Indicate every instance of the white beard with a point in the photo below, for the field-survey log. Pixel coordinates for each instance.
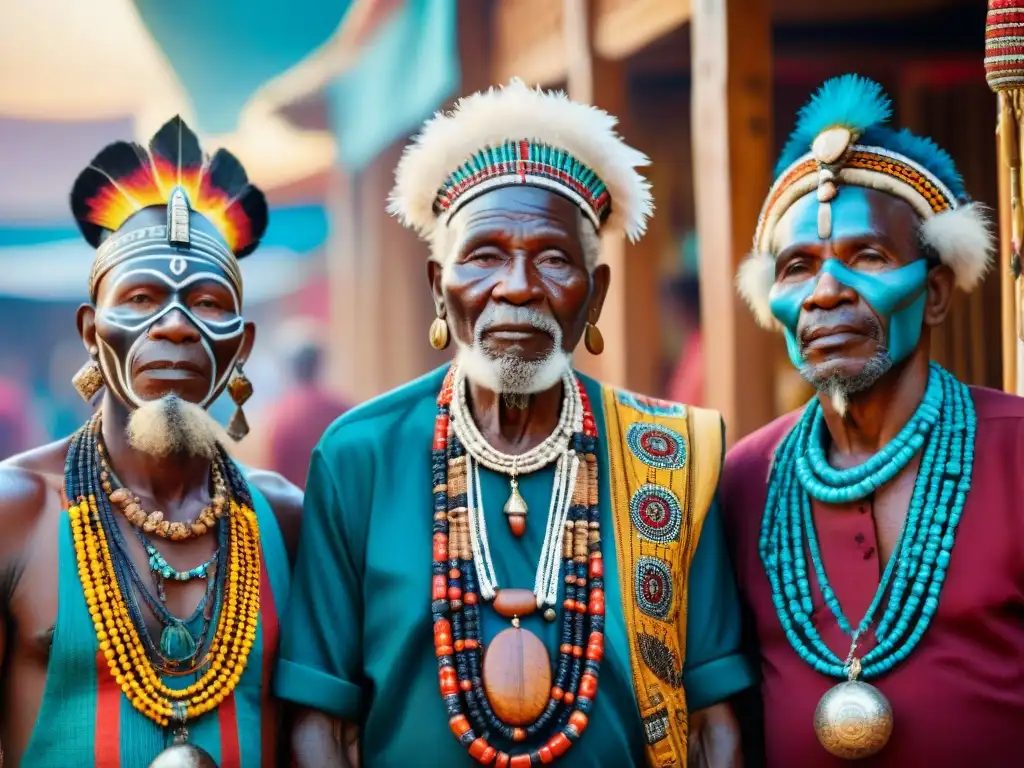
(511, 374)
(171, 426)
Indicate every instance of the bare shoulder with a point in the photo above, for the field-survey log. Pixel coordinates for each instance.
(30, 482)
(285, 499)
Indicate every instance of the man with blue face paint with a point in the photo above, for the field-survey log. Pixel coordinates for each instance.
(876, 532)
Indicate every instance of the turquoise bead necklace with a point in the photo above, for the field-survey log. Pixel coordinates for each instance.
(944, 426)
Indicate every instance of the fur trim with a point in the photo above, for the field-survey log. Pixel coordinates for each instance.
(754, 282)
(519, 112)
(963, 239)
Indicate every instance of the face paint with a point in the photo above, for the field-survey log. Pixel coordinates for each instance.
(898, 296)
(168, 282)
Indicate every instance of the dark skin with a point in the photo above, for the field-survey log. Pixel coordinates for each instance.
(886, 239)
(169, 360)
(517, 246)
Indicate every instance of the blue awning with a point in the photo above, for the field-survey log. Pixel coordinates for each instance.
(224, 50)
(51, 262)
(405, 72)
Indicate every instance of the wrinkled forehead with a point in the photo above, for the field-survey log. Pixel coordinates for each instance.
(171, 271)
(513, 209)
(857, 213)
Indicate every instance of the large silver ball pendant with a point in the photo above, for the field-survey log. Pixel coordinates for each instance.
(853, 720)
(183, 756)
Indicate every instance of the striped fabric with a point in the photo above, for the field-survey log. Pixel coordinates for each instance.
(99, 727)
(1004, 44)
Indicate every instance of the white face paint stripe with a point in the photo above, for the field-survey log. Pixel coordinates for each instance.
(216, 330)
(124, 376)
(177, 285)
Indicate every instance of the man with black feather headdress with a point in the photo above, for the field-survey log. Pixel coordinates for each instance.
(141, 566)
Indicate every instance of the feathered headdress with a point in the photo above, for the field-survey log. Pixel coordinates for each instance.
(173, 172)
(519, 135)
(841, 137)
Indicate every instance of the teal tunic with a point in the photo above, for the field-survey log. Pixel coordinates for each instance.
(86, 722)
(358, 638)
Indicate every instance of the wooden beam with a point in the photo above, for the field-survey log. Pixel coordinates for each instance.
(623, 27)
(629, 320)
(529, 35)
(731, 119)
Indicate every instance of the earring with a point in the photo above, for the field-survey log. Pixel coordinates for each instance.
(240, 390)
(593, 339)
(439, 333)
(88, 381)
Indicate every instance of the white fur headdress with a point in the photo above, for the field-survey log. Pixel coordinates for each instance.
(843, 125)
(519, 135)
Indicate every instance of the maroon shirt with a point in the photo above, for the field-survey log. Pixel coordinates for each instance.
(958, 699)
(295, 425)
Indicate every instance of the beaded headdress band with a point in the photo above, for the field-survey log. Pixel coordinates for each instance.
(516, 135)
(125, 178)
(844, 127)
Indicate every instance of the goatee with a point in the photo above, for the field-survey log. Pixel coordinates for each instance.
(171, 426)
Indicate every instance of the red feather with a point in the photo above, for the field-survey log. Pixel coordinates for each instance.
(124, 178)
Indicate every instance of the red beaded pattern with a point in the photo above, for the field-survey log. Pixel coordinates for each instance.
(455, 606)
(1004, 44)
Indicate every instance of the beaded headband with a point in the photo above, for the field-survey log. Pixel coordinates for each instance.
(530, 163)
(518, 135)
(844, 127)
(154, 241)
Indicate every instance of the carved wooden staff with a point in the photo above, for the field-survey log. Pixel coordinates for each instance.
(1004, 70)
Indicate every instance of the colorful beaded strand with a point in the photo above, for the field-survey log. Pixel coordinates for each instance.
(455, 609)
(945, 425)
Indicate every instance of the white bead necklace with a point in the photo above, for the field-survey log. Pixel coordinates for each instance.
(556, 448)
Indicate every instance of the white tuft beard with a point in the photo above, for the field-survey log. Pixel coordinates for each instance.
(511, 374)
(171, 426)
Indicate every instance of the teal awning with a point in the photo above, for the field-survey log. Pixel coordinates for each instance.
(51, 262)
(406, 71)
(224, 50)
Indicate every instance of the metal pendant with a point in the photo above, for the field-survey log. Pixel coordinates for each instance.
(853, 720)
(184, 756)
(516, 509)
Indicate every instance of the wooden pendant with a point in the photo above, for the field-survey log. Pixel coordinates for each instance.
(514, 603)
(517, 676)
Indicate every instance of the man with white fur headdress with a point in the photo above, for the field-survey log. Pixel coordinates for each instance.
(505, 529)
(876, 532)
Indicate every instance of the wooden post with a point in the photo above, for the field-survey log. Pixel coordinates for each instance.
(731, 119)
(1007, 285)
(629, 320)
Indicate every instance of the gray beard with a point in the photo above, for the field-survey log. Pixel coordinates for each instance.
(839, 388)
(171, 426)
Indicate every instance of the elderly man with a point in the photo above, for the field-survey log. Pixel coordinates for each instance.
(876, 533)
(435, 614)
(140, 566)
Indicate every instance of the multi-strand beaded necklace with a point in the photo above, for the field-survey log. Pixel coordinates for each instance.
(455, 605)
(944, 425)
(111, 582)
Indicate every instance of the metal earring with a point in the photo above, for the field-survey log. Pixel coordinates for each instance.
(240, 390)
(593, 339)
(439, 336)
(88, 381)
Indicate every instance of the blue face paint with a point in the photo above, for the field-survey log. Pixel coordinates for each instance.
(898, 296)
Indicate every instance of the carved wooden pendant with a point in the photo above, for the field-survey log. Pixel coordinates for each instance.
(512, 603)
(517, 676)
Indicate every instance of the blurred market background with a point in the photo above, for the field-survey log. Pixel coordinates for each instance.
(317, 99)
